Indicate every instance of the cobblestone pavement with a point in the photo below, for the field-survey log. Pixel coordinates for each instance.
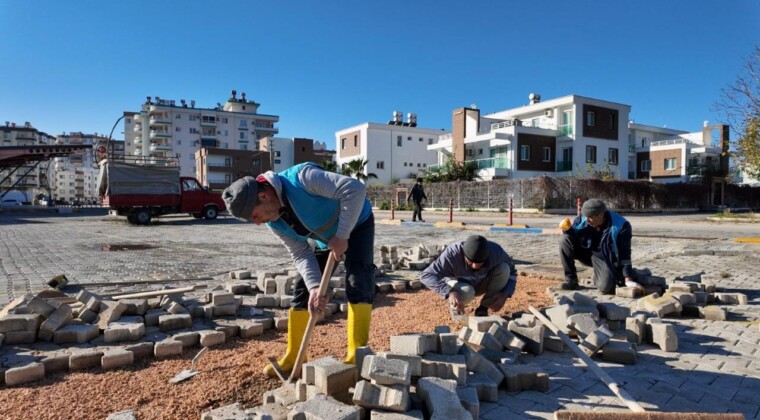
(716, 368)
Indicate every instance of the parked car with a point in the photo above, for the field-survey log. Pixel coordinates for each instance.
(10, 202)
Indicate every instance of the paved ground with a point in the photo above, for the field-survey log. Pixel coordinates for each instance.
(716, 369)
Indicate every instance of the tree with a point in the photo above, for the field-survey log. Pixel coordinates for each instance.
(329, 165)
(355, 168)
(740, 106)
(451, 171)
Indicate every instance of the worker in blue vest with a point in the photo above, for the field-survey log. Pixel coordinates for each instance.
(306, 204)
(601, 239)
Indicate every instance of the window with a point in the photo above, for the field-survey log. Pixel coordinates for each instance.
(612, 120)
(193, 130)
(356, 141)
(242, 135)
(480, 151)
(670, 164)
(419, 165)
(646, 165)
(277, 161)
(177, 129)
(226, 133)
(178, 116)
(525, 152)
(399, 141)
(380, 164)
(430, 141)
(228, 162)
(409, 138)
(342, 143)
(424, 165)
(590, 118)
(129, 120)
(226, 145)
(590, 154)
(276, 153)
(193, 117)
(421, 139)
(612, 158)
(547, 154)
(404, 163)
(243, 123)
(179, 142)
(224, 120)
(243, 147)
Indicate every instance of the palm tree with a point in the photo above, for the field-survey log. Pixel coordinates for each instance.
(355, 168)
(329, 165)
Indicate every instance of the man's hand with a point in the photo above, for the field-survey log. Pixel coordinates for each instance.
(498, 302)
(316, 303)
(338, 246)
(456, 302)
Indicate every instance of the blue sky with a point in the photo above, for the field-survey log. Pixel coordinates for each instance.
(324, 66)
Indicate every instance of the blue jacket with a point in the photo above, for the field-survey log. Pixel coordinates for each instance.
(615, 245)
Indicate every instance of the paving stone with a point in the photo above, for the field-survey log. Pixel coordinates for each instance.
(391, 398)
(487, 389)
(499, 357)
(76, 334)
(384, 371)
(19, 337)
(209, 338)
(229, 309)
(174, 321)
(532, 336)
(677, 287)
(122, 415)
(188, 339)
(85, 359)
(731, 298)
(322, 407)
(662, 306)
(559, 316)
(135, 306)
(651, 281)
(20, 322)
(581, 299)
(230, 328)
(445, 367)
(447, 343)
(619, 352)
(409, 415)
(227, 412)
(40, 306)
(124, 331)
(266, 301)
(686, 298)
(441, 399)
(110, 311)
(508, 340)
(628, 292)
(284, 395)
(484, 323)
(116, 358)
(240, 275)
(31, 372)
(713, 313)
(468, 397)
(176, 308)
(55, 362)
(635, 329)
(613, 311)
(281, 324)
(580, 309)
(141, 350)
(94, 304)
(415, 362)
(475, 362)
(153, 315)
(334, 378)
(167, 348)
(480, 339)
(664, 335)
(414, 344)
(583, 324)
(221, 297)
(554, 343)
(250, 329)
(307, 369)
(596, 340)
(87, 315)
(524, 377)
(60, 317)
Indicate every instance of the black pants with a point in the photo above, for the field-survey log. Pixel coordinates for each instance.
(360, 267)
(417, 211)
(571, 250)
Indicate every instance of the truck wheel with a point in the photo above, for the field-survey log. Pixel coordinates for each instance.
(210, 212)
(142, 217)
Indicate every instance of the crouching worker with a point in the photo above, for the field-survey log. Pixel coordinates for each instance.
(305, 202)
(473, 267)
(601, 239)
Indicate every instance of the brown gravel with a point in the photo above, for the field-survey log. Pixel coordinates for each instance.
(231, 372)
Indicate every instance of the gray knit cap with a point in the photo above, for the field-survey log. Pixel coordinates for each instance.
(240, 197)
(593, 207)
(476, 248)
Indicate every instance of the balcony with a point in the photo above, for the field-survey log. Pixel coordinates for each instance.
(160, 119)
(564, 165)
(159, 134)
(160, 147)
(25, 136)
(566, 130)
(208, 120)
(498, 163)
(631, 148)
(265, 128)
(138, 141)
(703, 169)
(208, 135)
(137, 128)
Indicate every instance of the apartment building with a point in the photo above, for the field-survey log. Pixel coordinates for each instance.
(286, 151)
(667, 155)
(162, 128)
(29, 179)
(570, 135)
(74, 178)
(218, 168)
(394, 151)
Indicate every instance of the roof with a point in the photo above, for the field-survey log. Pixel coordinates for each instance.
(19, 155)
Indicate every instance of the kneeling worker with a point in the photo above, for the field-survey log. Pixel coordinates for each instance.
(601, 239)
(302, 203)
(473, 267)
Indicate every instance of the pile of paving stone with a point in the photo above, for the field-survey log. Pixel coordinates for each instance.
(41, 335)
(415, 258)
(439, 375)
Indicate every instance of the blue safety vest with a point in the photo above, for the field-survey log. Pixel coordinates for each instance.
(318, 214)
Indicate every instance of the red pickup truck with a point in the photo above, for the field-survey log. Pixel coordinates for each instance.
(142, 191)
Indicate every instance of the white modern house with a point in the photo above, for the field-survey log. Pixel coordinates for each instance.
(570, 135)
(394, 151)
(163, 128)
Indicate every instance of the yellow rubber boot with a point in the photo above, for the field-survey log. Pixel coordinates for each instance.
(298, 319)
(359, 315)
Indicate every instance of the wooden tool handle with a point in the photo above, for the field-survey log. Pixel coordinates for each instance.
(607, 379)
(296, 372)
